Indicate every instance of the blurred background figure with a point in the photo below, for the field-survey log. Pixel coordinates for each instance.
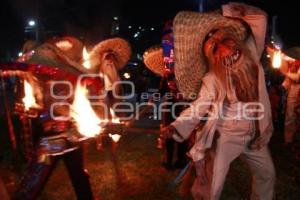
(106, 58)
(292, 84)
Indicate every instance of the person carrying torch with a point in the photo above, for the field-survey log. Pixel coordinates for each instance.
(288, 64)
(54, 65)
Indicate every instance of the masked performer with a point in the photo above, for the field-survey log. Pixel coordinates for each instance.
(223, 52)
(52, 65)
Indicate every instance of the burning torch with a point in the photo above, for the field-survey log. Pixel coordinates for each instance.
(279, 59)
(27, 110)
(276, 60)
(87, 122)
(85, 125)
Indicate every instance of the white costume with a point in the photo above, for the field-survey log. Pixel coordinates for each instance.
(236, 129)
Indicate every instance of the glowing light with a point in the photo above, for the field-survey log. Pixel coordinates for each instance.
(136, 34)
(20, 54)
(129, 27)
(31, 23)
(87, 122)
(86, 59)
(126, 75)
(29, 100)
(64, 45)
(152, 29)
(276, 61)
(116, 18)
(115, 137)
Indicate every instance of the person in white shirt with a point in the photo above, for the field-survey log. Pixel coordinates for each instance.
(218, 59)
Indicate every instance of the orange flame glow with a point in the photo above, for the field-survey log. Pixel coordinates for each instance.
(276, 61)
(86, 59)
(87, 122)
(114, 119)
(29, 100)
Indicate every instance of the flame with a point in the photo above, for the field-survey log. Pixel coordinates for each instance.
(276, 61)
(86, 59)
(114, 119)
(115, 137)
(29, 100)
(87, 122)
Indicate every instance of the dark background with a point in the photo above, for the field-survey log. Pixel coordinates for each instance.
(91, 20)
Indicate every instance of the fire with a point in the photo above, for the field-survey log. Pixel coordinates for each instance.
(86, 59)
(114, 119)
(276, 61)
(29, 100)
(87, 122)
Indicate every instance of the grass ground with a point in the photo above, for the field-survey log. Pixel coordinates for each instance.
(135, 172)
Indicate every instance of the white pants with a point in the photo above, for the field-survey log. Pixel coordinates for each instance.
(228, 148)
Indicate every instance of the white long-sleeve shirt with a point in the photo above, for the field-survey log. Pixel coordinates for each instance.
(211, 102)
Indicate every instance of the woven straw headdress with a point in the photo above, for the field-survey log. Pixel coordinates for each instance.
(119, 47)
(190, 31)
(153, 59)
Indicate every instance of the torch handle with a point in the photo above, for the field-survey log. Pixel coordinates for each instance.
(27, 136)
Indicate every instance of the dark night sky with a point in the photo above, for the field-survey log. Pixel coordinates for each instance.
(91, 19)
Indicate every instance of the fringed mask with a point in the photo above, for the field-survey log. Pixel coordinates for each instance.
(233, 65)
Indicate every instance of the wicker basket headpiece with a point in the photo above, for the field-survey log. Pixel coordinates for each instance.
(190, 31)
(153, 59)
(119, 47)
